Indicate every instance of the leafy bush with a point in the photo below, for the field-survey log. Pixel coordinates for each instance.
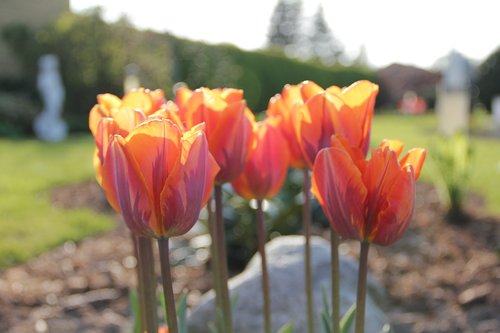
(93, 56)
(17, 112)
(489, 77)
(261, 74)
(452, 158)
(283, 217)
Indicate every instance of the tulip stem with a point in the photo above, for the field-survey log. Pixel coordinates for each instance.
(261, 235)
(215, 262)
(139, 319)
(168, 291)
(147, 284)
(361, 297)
(306, 215)
(221, 251)
(334, 244)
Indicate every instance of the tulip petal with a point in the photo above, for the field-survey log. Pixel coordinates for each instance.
(95, 117)
(105, 131)
(415, 157)
(138, 99)
(285, 106)
(156, 147)
(127, 119)
(169, 111)
(394, 145)
(213, 168)
(266, 169)
(231, 95)
(230, 140)
(338, 185)
(381, 173)
(396, 209)
(316, 123)
(125, 188)
(309, 89)
(360, 97)
(360, 93)
(183, 195)
(182, 96)
(292, 95)
(357, 156)
(108, 102)
(334, 90)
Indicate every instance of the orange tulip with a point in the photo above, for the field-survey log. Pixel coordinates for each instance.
(114, 116)
(360, 98)
(266, 170)
(317, 120)
(367, 200)
(229, 126)
(284, 106)
(108, 105)
(347, 112)
(158, 177)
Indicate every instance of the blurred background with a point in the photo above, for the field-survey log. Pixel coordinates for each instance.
(437, 64)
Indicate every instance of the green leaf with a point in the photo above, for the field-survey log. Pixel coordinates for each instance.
(136, 313)
(163, 304)
(326, 318)
(212, 328)
(347, 320)
(182, 313)
(287, 328)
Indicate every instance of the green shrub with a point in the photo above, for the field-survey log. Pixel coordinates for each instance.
(489, 78)
(260, 74)
(93, 56)
(17, 112)
(452, 158)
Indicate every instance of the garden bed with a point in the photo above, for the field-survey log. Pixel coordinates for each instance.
(440, 277)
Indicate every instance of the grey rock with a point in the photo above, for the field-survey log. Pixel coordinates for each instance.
(288, 299)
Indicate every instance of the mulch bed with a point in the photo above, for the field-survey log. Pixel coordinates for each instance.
(440, 277)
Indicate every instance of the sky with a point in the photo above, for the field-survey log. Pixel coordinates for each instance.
(417, 32)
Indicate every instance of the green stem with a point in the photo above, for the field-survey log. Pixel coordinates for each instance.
(306, 215)
(221, 244)
(145, 262)
(334, 243)
(140, 286)
(168, 291)
(361, 297)
(261, 235)
(212, 228)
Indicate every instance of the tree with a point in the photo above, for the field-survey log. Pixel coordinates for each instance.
(323, 44)
(489, 76)
(284, 29)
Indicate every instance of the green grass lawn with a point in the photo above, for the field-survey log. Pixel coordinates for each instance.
(421, 131)
(29, 224)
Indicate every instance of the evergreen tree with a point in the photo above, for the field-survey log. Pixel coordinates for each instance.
(322, 43)
(362, 58)
(285, 24)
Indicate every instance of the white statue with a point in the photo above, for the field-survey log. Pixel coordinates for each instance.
(49, 125)
(458, 72)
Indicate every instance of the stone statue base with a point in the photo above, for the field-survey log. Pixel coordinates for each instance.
(453, 111)
(48, 128)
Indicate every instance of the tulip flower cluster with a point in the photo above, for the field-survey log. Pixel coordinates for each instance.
(160, 162)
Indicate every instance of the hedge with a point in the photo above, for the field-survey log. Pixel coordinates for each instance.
(93, 55)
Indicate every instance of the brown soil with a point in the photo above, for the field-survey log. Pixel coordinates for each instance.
(440, 277)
